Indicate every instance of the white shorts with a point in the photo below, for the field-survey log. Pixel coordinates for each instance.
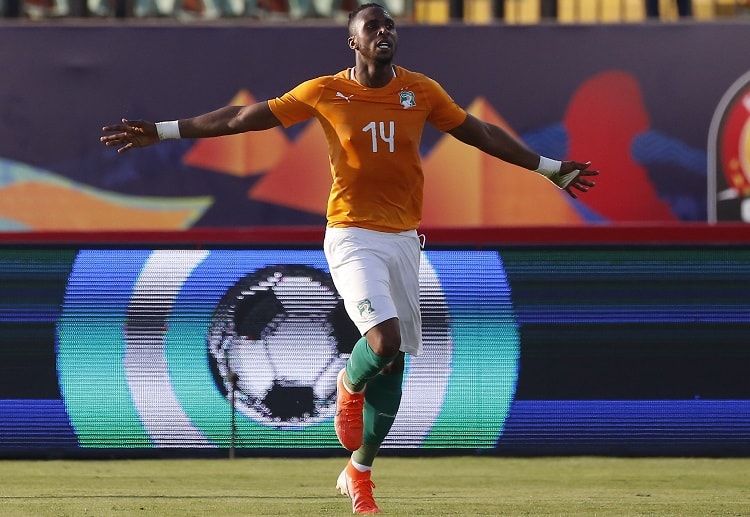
(377, 275)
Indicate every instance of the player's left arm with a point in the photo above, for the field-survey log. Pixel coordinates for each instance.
(497, 142)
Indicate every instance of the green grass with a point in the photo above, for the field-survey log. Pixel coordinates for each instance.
(575, 486)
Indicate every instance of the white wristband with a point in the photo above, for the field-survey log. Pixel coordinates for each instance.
(168, 130)
(550, 169)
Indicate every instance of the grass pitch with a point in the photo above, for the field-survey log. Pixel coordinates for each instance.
(571, 486)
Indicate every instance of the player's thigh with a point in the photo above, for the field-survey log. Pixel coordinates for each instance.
(361, 276)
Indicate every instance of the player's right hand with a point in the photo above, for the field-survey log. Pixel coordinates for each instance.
(130, 134)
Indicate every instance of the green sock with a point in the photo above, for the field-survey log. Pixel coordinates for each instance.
(364, 364)
(382, 400)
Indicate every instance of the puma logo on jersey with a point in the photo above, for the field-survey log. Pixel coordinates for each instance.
(345, 97)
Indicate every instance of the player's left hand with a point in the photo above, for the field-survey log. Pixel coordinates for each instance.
(579, 181)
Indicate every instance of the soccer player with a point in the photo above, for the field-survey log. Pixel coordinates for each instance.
(373, 115)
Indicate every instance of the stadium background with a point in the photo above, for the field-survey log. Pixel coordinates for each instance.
(614, 324)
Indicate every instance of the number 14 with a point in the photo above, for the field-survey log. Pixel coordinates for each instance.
(380, 128)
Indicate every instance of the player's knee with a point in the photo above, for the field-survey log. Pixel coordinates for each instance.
(395, 366)
(385, 346)
(385, 338)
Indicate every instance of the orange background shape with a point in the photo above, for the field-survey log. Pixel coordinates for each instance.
(465, 187)
(302, 179)
(245, 154)
(69, 209)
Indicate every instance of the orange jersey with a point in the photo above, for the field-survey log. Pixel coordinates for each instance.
(373, 142)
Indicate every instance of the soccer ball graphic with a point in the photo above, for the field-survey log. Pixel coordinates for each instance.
(284, 333)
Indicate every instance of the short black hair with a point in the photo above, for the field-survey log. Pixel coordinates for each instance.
(361, 8)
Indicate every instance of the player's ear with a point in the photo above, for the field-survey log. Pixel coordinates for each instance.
(352, 43)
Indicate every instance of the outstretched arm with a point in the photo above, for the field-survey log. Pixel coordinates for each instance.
(228, 120)
(497, 142)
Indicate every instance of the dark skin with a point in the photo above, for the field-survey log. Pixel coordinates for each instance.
(374, 39)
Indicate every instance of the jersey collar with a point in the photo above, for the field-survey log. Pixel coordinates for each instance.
(352, 78)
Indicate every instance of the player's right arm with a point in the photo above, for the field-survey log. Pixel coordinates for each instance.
(228, 120)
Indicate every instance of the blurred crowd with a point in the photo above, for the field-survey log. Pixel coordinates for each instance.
(512, 11)
(179, 9)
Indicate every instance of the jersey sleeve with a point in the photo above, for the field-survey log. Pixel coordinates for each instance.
(445, 113)
(298, 104)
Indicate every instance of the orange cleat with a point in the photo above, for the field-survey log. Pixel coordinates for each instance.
(358, 486)
(348, 419)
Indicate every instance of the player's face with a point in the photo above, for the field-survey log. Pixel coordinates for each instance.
(374, 35)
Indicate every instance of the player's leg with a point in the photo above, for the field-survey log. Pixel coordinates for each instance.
(382, 399)
(383, 394)
(362, 368)
(359, 269)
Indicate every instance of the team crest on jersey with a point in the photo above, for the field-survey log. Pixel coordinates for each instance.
(365, 307)
(406, 99)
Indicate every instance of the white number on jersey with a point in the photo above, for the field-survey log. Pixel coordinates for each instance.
(380, 128)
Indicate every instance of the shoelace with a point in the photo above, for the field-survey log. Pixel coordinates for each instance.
(362, 492)
(348, 407)
(357, 483)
